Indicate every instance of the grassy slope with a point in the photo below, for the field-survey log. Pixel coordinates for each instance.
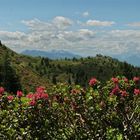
(27, 76)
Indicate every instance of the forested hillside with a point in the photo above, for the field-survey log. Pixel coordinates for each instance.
(15, 73)
(24, 72)
(79, 71)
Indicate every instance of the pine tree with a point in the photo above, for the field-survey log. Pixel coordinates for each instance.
(9, 78)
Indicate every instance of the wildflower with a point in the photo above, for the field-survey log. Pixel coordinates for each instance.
(93, 82)
(124, 93)
(44, 96)
(19, 93)
(10, 97)
(137, 91)
(136, 79)
(32, 103)
(30, 95)
(125, 80)
(115, 91)
(115, 80)
(38, 96)
(40, 89)
(2, 90)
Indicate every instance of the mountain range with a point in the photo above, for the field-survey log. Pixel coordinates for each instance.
(54, 54)
(133, 59)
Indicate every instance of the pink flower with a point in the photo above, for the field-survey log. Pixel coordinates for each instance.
(40, 89)
(10, 97)
(125, 80)
(44, 96)
(136, 79)
(19, 93)
(115, 91)
(32, 103)
(2, 90)
(38, 96)
(40, 93)
(30, 95)
(115, 80)
(124, 93)
(93, 82)
(137, 91)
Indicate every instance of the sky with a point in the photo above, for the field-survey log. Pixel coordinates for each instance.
(84, 27)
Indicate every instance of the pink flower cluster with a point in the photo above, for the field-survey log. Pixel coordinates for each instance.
(118, 91)
(19, 94)
(115, 80)
(93, 81)
(10, 97)
(40, 94)
(1, 90)
(115, 91)
(124, 93)
(137, 91)
(136, 79)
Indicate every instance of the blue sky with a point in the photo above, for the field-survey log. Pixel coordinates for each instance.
(85, 27)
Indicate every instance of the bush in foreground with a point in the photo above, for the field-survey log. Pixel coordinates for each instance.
(70, 112)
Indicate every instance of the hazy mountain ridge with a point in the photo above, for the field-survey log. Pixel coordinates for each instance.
(133, 59)
(54, 54)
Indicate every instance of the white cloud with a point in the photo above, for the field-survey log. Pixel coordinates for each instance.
(99, 23)
(58, 22)
(12, 35)
(58, 34)
(37, 25)
(78, 36)
(134, 24)
(125, 34)
(85, 14)
(62, 22)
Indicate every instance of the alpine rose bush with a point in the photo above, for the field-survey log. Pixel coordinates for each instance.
(101, 111)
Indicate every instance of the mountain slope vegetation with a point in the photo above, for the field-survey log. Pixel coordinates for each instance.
(17, 68)
(28, 72)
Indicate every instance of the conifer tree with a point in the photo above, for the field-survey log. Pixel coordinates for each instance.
(9, 79)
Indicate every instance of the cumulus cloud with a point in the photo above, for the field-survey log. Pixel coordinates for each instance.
(37, 25)
(99, 23)
(58, 22)
(134, 24)
(12, 35)
(125, 33)
(62, 22)
(78, 36)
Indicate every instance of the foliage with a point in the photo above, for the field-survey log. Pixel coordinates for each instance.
(79, 71)
(8, 77)
(62, 111)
